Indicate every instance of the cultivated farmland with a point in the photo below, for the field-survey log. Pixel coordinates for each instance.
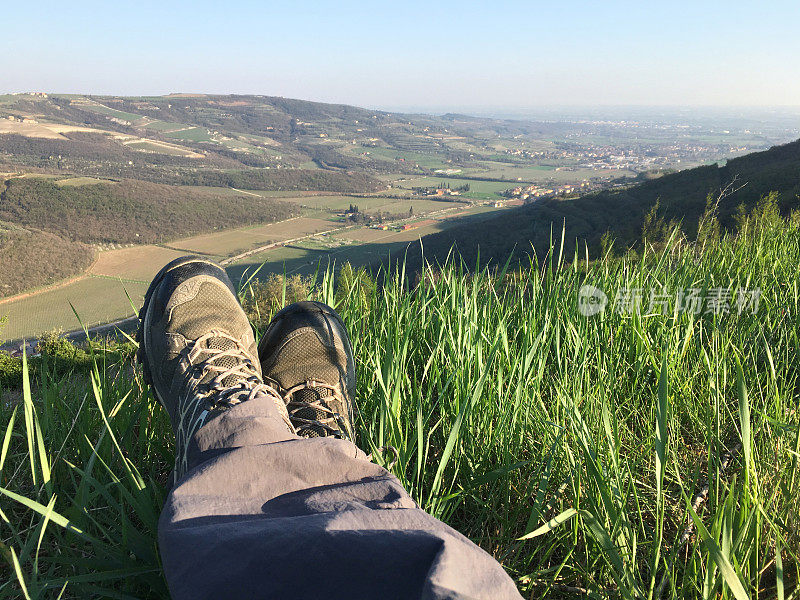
(228, 243)
(137, 263)
(95, 299)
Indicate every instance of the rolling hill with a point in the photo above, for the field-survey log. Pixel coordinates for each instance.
(168, 138)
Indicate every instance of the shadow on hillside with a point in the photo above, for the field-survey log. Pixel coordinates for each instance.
(372, 255)
(363, 255)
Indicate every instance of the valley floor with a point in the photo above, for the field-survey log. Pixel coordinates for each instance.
(114, 286)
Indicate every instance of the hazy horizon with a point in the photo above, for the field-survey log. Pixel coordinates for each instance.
(543, 111)
(514, 55)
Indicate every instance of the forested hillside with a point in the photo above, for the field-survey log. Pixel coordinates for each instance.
(130, 211)
(31, 258)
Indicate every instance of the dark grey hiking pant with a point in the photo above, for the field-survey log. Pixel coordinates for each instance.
(265, 514)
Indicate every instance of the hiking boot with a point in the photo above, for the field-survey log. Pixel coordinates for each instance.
(306, 355)
(197, 349)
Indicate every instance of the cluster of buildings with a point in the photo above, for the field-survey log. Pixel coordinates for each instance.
(439, 192)
(635, 156)
(444, 192)
(22, 119)
(36, 94)
(534, 192)
(403, 227)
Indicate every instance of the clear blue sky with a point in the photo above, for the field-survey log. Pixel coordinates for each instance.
(407, 53)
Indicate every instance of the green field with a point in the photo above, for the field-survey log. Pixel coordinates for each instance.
(158, 148)
(136, 263)
(111, 112)
(165, 126)
(289, 196)
(81, 181)
(192, 134)
(43, 176)
(371, 204)
(541, 174)
(277, 260)
(429, 161)
(96, 300)
(227, 243)
(338, 203)
(359, 247)
(481, 190)
(420, 206)
(240, 145)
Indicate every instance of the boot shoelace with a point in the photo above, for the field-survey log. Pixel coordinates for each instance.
(227, 374)
(326, 419)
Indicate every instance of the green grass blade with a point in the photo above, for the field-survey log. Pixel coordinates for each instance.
(20, 576)
(57, 518)
(551, 524)
(744, 418)
(30, 417)
(7, 438)
(780, 592)
(719, 558)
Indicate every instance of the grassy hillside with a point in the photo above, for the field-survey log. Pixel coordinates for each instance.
(130, 211)
(632, 454)
(680, 197)
(35, 258)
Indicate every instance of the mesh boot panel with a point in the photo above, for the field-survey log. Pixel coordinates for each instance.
(226, 362)
(210, 309)
(305, 355)
(311, 413)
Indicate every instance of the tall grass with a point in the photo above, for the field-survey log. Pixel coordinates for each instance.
(650, 455)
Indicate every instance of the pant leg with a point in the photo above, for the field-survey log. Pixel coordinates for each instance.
(264, 514)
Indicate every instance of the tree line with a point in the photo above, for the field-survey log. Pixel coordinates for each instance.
(130, 211)
(287, 180)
